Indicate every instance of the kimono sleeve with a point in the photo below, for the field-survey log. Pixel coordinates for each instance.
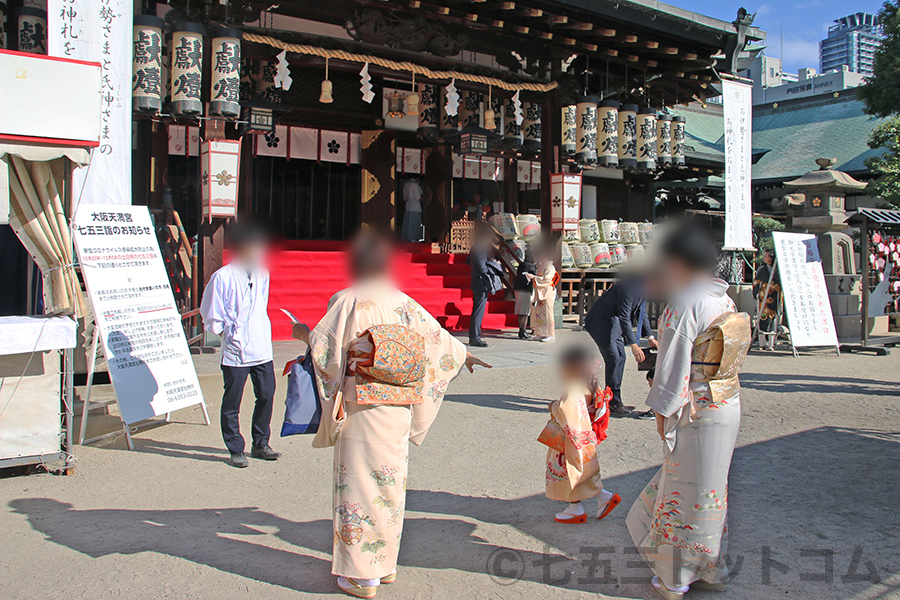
(671, 384)
(445, 356)
(329, 340)
(543, 283)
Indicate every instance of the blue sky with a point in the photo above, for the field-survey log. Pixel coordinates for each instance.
(804, 23)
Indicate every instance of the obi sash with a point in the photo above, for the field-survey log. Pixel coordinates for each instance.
(719, 353)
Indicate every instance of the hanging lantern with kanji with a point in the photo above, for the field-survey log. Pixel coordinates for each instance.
(628, 136)
(608, 133)
(586, 130)
(225, 88)
(646, 139)
(565, 201)
(469, 109)
(531, 125)
(678, 140)
(512, 129)
(664, 140)
(146, 80)
(220, 164)
(428, 109)
(186, 67)
(3, 13)
(32, 30)
(568, 130)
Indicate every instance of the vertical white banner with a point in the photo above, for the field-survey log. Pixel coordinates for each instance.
(738, 206)
(100, 31)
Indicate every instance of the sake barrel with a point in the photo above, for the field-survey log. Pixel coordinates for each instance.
(571, 235)
(628, 233)
(610, 229)
(518, 253)
(600, 254)
(589, 230)
(582, 255)
(645, 233)
(529, 227)
(617, 254)
(567, 260)
(633, 251)
(520, 248)
(505, 224)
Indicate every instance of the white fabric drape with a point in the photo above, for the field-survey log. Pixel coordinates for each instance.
(38, 218)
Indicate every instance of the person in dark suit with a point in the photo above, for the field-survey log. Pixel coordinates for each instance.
(610, 324)
(478, 265)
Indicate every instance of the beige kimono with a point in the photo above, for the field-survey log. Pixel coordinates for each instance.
(679, 521)
(545, 295)
(573, 475)
(371, 449)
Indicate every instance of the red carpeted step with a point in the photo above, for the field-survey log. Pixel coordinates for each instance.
(305, 274)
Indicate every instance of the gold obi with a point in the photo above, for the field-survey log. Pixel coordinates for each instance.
(719, 353)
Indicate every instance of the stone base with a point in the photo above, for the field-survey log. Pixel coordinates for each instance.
(843, 284)
(848, 326)
(845, 304)
(743, 298)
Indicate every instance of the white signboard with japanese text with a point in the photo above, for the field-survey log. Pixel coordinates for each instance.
(737, 100)
(805, 295)
(100, 31)
(140, 327)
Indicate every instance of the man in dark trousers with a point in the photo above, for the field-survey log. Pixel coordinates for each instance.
(478, 257)
(610, 324)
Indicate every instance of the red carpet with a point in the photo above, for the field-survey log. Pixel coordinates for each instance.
(305, 275)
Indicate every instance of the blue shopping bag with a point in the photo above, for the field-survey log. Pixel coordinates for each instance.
(303, 407)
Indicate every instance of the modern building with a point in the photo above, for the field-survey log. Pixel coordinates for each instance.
(772, 84)
(851, 42)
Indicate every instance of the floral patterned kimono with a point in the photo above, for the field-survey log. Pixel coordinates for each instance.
(573, 475)
(679, 520)
(371, 450)
(545, 295)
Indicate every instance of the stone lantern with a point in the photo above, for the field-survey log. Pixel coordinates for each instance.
(825, 191)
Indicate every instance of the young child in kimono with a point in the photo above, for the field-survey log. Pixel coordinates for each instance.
(573, 471)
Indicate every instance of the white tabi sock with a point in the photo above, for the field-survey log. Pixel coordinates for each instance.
(575, 509)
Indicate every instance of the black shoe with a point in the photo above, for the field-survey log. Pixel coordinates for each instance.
(239, 460)
(525, 336)
(620, 411)
(478, 343)
(646, 416)
(264, 452)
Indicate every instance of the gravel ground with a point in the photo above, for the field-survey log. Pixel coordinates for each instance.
(812, 515)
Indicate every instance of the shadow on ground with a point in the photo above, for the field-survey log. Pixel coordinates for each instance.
(833, 486)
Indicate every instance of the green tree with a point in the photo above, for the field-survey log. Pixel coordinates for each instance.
(880, 92)
(887, 166)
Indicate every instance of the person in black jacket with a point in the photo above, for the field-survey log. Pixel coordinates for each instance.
(524, 290)
(610, 324)
(478, 258)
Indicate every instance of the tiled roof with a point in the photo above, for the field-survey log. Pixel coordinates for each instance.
(800, 132)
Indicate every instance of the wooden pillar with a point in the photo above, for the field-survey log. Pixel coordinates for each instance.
(159, 163)
(211, 236)
(550, 113)
(379, 179)
(511, 185)
(436, 197)
(245, 192)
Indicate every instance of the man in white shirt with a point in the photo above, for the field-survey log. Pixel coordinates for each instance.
(234, 306)
(412, 218)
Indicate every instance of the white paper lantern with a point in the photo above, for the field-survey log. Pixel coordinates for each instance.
(225, 83)
(678, 140)
(664, 139)
(568, 130)
(512, 130)
(608, 133)
(586, 130)
(565, 198)
(146, 80)
(220, 161)
(628, 135)
(186, 67)
(32, 30)
(531, 125)
(646, 139)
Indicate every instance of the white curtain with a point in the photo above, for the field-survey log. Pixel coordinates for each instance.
(37, 216)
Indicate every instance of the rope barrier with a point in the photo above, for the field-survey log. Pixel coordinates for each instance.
(397, 66)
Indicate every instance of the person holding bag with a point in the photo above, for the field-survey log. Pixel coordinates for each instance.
(382, 366)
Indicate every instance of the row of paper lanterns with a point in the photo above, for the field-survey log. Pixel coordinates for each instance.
(187, 52)
(31, 29)
(609, 134)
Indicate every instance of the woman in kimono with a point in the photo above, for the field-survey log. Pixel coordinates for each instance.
(545, 297)
(768, 296)
(678, 522)
(382, 364)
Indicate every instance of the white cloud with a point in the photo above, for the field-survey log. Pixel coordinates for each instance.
(800, 53)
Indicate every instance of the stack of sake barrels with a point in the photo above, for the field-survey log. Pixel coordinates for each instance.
(519, 231)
